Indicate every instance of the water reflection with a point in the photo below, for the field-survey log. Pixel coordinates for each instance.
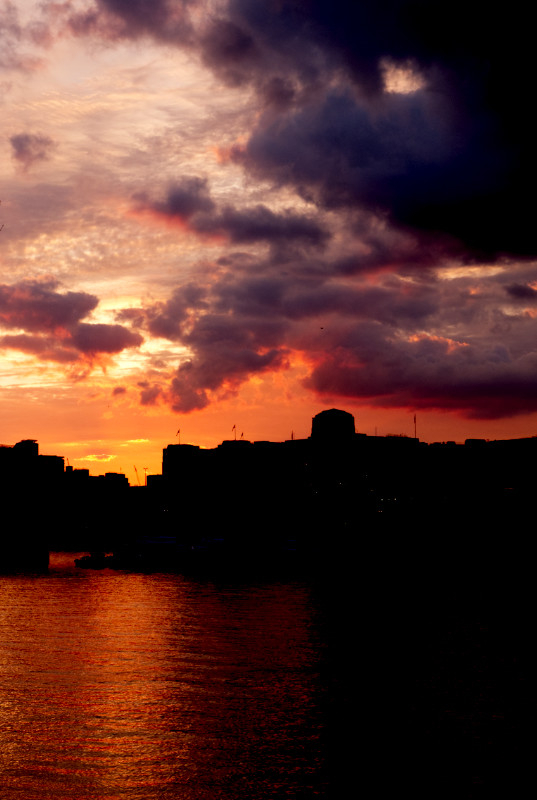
(116, 685)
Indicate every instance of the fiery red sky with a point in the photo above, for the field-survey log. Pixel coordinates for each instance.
(240, 212)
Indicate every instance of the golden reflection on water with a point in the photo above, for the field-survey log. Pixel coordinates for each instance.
(117, 685)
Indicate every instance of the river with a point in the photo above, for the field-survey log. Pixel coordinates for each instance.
(130, 685)
(122, 685)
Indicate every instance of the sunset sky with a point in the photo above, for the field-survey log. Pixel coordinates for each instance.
(242, 212)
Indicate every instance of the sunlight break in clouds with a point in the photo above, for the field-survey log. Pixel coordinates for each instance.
(100, 457)
(197, 196)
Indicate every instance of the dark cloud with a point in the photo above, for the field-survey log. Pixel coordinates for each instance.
(216, 368)
(188, 196)
(37, 306)
(260, 224)
(31, 148)
(227, 339)
(150, 16)
(228, 48)
(99, 338)
(483, 382)
(132, 316)
(167, 320)
(415, 341)
(415, 181)
(47, 348)
(404, 161)
(190, 203)
(149, 393)
(218, 364)
(167, 21)
(52, 323)
(456, 158)
(446, 345)
(117, 390)
(521, 292)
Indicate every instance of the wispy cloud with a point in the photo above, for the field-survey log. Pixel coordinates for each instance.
(99, 457)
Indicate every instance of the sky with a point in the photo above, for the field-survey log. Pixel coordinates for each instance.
(230, 215)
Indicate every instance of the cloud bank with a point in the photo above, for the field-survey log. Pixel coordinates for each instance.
(402, 269)
(49, 324)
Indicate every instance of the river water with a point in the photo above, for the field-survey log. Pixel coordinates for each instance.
(120, 685)
(125, 685)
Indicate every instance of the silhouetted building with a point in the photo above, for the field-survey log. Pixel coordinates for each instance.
(31, 486)
(28, 448)
(332, 426)
(322, 493)
(118, 478)
(178, 459)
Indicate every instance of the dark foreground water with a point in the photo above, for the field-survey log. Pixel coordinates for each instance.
(117, 685)
(410, 672)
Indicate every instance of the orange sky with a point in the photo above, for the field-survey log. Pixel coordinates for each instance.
(99, 435)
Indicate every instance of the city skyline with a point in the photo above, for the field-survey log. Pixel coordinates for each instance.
(329, 426)
(241, 213)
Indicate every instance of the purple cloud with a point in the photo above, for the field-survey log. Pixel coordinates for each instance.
(415, 342)
(189, 202)
(30, 148)
(52, 323)
(402, 185)
(37, 306)
(149, 393)
(522, 292)
(99, 338)
(455, 158)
